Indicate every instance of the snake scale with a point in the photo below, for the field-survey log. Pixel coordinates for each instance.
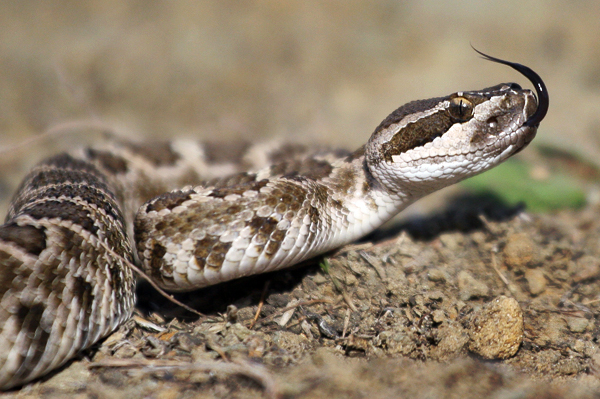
(72, 228)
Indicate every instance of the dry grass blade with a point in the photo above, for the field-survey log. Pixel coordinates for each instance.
(57, 130)
(146, 277)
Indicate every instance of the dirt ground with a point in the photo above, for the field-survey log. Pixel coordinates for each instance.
(465, 297)
(498, 305)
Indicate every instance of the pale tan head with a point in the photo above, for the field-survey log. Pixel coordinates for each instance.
(429, 144)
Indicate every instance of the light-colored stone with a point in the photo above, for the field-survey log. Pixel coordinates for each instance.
(437, 275)
(587, 267)
(577, 324)
(438, 316)
(519, 251)
(470, 287)
(536, 281)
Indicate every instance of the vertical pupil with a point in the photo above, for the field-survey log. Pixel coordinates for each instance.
(461, 109)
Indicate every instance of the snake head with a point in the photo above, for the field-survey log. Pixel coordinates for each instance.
(429, 144)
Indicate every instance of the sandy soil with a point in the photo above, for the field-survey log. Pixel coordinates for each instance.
(430, 306)
(500, 309)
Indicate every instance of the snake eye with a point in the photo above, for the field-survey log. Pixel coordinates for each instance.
(460, 109)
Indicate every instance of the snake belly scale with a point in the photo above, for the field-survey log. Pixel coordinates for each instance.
(79, 219)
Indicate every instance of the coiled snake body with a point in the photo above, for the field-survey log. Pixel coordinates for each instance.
(70, 231)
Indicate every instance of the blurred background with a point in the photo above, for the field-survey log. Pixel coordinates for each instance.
(326, 71)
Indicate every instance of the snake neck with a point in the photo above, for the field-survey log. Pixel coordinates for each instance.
(359, 198)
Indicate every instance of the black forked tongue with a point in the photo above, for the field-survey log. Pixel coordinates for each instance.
(540, 88)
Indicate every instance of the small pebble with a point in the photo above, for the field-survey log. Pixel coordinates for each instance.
(497, 329)
(536, 281)
(578, 346)
(588, 267)
(435, 295)
(561, 275)
(351, 279)
(452, 339)
(438, 316)
(232, 313)
(437, 276)
(569, 366)
(452, 241)
(519, 251)
(577, 324)
(278, 300)
(470, 287)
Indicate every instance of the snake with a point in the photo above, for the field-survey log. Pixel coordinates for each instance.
(192, 214)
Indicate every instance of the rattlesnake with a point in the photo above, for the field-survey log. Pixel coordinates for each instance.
(72, 226)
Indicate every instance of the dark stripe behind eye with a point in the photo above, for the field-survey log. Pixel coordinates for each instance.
(417, 133)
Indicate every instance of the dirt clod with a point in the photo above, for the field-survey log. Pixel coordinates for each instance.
(497, 329)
